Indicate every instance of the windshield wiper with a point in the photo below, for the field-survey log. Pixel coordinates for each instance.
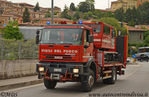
(49, 43)
(66, 43)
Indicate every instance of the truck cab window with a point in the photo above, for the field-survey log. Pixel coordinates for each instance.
(87, 34)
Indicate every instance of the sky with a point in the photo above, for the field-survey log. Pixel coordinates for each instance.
(99, 4)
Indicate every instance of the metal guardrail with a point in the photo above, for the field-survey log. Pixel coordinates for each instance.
(13, 50)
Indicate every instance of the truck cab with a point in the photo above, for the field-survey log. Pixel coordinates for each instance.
(64, 53)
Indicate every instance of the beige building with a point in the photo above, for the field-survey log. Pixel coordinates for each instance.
(125, 4)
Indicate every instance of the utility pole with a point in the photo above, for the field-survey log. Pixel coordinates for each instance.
(52, 11)
(108, 4)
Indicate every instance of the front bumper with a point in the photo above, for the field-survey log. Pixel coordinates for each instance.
(60, 71)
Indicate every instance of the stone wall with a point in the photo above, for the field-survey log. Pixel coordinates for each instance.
(17, 68)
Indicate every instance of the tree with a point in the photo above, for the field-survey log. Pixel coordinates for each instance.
(144, 13)
(146, 34)
(76, 16)
(48, 15)
(65, 14)
(26, 16)
(84, 7)
(37, 8)
(72, 7)
(113, 22)
(11, 31)
(91, 4)
(119, 14)
(146, 41)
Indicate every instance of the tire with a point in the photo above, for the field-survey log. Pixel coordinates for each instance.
(50, 84)
(113, 79)
(88, 82)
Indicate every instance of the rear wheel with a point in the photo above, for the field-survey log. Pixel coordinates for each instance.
(50, 84)
(113, 78)
(88, 82)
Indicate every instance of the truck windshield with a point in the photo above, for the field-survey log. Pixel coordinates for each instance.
(62, 36)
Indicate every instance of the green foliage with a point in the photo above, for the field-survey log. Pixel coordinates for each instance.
(55, 13)
(146, 41)
(37, 8)
(146, 34)
(87, 15)
(134, 16)
(131, 23)
(47, 15)
(144, 13)
(146, 38)
(11, 31)
(72, 7)
(76, 16)
(86, 6)
(119, 14)
(115, 23)
(26, 16)
(65, 14)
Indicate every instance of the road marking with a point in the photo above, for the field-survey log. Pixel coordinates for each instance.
(26, 87)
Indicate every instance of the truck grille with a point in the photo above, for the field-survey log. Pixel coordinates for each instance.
(58, 57)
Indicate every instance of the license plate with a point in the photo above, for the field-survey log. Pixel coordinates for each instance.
(57, 70)
(58, 57)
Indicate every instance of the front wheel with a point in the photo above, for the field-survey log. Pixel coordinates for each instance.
(49, 84)
(88, 82)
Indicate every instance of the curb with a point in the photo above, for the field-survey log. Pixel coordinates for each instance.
(21, 84)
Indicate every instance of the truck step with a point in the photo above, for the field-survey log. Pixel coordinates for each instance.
(110, 71)
(106, 77)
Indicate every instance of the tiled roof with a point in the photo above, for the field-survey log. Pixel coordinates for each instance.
(143, 26)
(130, 28)
(58, 19)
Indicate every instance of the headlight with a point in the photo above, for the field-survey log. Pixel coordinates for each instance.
(41, 69)
(75, 70)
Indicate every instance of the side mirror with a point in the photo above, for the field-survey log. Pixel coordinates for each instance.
(91, 39)
(37, 36)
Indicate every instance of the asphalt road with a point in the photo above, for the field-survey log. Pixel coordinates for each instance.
(135, 83)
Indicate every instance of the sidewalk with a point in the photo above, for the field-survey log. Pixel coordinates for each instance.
(18, 82)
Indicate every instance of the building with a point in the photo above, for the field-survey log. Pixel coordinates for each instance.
(145, 27)
(126, 4)
(135, 35)
(14, 11)
(116, 5)
(55, 20)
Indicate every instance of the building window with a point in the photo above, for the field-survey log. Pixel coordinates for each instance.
(140, 36)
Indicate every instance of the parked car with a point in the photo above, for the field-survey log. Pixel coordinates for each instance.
(143, 57)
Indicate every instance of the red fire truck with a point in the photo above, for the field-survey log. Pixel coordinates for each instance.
(80, 53)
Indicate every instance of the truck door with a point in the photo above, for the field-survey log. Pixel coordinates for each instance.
(88, 47)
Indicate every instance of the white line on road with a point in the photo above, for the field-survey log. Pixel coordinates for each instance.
(26, 87)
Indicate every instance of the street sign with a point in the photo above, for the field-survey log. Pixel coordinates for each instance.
(133, 56)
